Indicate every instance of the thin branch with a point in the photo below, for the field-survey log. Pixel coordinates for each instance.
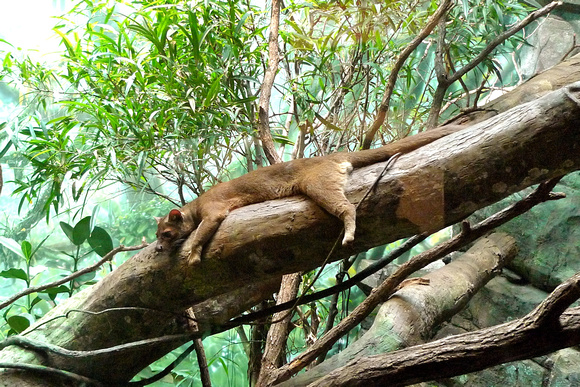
(42, 370)
(445, 80)
(199, 350)
(503, 37)
(384, 107)
(166, 371)
(266, 89)
(45, 348)
(74, 275)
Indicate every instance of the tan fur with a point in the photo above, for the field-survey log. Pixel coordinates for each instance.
(322, 179)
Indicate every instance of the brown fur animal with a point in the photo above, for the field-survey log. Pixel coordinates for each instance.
(322, 179)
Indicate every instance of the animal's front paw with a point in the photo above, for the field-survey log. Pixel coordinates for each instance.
(194, 257)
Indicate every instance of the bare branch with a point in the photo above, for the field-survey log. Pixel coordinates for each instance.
(445, 80)
(527, 337)
(266, 90)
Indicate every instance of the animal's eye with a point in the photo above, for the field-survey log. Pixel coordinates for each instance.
(167, 234)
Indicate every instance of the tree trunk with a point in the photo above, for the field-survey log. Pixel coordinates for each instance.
(428, 189)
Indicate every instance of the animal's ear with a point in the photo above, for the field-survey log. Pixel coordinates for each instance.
(158, 219)
(175, 216)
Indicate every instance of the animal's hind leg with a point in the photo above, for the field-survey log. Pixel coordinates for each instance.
(328, 192)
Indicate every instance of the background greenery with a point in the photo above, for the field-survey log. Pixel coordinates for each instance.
(149, 103)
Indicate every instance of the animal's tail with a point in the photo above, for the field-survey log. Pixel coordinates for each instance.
(405, 145)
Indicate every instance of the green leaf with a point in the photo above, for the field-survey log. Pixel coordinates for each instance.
(35, 301)
(213, 91)
(11, 245)
(18, 323)
(53, 292)
(6, 148)
(68, 230)
(26, 250)
(85, 278)
(100, 241)
(81, 231)
(14, 273)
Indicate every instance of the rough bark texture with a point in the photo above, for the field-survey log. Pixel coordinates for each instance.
(448, 180)
(278, 333)
(411, 314)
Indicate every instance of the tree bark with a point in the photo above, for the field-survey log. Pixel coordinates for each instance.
(426, 190)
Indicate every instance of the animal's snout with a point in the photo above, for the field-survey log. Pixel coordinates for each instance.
(159, 248)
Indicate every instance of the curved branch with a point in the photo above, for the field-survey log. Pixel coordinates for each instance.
(72, 276)
(37, 369)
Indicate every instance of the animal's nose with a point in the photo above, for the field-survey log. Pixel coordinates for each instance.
(159, 248)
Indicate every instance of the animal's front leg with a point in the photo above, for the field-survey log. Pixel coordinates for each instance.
(204, 232)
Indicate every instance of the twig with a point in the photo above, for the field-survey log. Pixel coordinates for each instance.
(72, 276)
(166, 371)
(38, 369)
(108, 310)
(45, 348)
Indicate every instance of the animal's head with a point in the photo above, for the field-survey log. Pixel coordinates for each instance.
(170, 230)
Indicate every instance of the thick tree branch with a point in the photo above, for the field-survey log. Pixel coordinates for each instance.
(528, 337)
